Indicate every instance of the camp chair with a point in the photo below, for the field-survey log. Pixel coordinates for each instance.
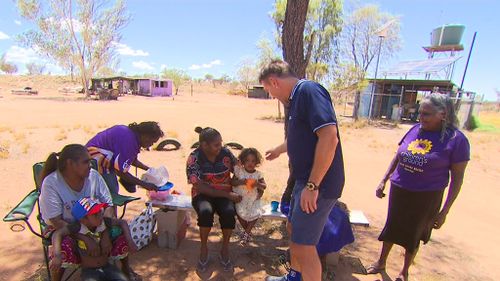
(24, 209)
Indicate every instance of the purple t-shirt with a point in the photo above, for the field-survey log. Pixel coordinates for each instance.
(424, 161)
(115, 147)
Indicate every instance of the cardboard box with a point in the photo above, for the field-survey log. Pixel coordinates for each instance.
(172, 227)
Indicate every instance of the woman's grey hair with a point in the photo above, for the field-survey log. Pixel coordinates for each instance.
(443, 103)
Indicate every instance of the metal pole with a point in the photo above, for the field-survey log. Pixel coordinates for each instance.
(468, 58)
(375, 78)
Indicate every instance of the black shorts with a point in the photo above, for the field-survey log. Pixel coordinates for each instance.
(206, 206)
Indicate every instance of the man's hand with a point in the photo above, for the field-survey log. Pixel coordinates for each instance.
(236, 198)
(272, 154)
(308, 200)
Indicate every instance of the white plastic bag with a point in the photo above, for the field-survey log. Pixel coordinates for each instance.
(157, 176)
(142, 227)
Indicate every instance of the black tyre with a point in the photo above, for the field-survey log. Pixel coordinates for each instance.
(234, 145)
(195, 145)
(168, 145)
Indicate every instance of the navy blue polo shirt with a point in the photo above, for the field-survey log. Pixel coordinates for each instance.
(311, 109)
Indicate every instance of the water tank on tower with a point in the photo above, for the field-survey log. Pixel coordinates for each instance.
(449, 34)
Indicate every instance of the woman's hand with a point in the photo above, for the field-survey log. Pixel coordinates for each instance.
(150, 186)
(56, 262)
(106, 245)
(236, 198)
(132, 247)
(380, 190)
(439, 221)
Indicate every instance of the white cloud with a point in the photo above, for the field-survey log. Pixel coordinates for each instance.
(63, 23)
(216, 62)
(3, 36)
(18, 22)
(142, 65)
(54, 69)
(22, 55)
(125, 50)
(163, 66)
(205, 65)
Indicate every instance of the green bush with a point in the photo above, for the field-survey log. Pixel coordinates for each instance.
(474, 123)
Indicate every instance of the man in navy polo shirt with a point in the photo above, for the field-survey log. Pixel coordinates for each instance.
(315, 152)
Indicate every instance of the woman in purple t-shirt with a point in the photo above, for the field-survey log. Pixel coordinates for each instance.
(427, 156)
(116, 150)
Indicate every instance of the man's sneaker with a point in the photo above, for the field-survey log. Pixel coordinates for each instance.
(291, 276)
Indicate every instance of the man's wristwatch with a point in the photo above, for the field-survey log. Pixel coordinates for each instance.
(311, 186)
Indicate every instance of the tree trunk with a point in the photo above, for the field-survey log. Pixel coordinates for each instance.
(357, 100)
(293, 35)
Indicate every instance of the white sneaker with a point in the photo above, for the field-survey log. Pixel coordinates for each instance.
(276, 278)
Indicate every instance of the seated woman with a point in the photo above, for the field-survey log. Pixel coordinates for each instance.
(117, 148)
(209, 169)
(66, 178)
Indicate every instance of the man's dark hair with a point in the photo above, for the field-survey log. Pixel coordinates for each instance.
(279, 68)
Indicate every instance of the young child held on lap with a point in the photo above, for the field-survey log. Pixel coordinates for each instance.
(93, 241)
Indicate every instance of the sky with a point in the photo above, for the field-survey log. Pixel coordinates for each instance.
(214, 37)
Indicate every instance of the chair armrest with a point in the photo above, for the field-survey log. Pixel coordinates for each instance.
(24, 209)
(120, 200)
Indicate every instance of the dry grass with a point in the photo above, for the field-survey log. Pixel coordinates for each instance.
(62, 135)
(26, 148)
(6, 129)
(19, 137)
(172, 134)
(4, 153)
(358, 124)
(274, 118)
(88, 130)
(4, 149)
(103, 126)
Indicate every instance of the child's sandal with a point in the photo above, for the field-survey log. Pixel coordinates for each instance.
(202, 265)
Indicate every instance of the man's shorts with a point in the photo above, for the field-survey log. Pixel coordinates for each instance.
(307, 228)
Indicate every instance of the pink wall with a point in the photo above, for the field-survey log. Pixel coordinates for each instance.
(151, 88)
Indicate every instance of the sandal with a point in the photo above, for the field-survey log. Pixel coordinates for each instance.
(401, 277)
(227, 265)
(134, 276)
(374, 269)
(202, 265)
